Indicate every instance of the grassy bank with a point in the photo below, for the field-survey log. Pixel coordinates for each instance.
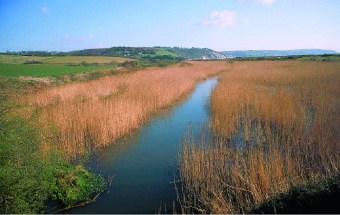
(30, 175)
(275, 126)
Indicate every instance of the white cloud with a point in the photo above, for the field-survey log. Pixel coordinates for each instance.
(45, 10)
(267, 2)
(221, 19)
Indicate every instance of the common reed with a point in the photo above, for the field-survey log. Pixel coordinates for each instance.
(275, 125)
(94, 113)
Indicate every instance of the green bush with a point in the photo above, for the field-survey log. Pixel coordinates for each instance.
(130, 65)
(75, 184)
(24, 182)
(94, 75)
(32, 62)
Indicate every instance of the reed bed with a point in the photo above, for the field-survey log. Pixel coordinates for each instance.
(275, 125)
(95, 113)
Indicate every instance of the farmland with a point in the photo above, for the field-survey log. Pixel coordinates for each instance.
(14, 66)
(87, 59)
(19, 59)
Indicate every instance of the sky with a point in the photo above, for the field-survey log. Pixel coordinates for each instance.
(64, 25)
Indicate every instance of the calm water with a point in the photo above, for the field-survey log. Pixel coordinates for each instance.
(143, 165)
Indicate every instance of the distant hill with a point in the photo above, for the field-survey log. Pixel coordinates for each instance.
(267, 53)
(154, 52)
(197, 53)
(113, 52)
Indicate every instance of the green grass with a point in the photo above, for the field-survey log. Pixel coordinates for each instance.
(80, 59)
(44, 70)
(17, 59)
(162, 52)
(14, 66)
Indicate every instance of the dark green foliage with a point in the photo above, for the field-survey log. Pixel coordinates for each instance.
(316, 197)
(24, 182)
(113, 52)
(130, 65)
(93, 75)
(84, 63)
(75, 184)
(32, 62)
(32, 53)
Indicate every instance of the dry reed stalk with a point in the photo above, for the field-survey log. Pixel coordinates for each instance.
(288, 116)
(100, 111)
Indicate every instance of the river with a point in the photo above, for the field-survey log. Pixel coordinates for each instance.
(143, 165)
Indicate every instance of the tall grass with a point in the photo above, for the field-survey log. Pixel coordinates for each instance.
(94, 113)
(275, 124)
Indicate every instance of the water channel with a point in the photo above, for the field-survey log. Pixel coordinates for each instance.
(143, 165)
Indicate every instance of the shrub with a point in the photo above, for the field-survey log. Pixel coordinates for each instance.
(130, 65)
(75, 184)
(32, 62)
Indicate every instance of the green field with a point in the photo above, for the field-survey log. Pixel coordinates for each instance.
(87, 59)
(17, 59)
(162, 52)
(15, 65)
(44, 70)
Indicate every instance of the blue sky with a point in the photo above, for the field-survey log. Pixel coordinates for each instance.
(62, 25)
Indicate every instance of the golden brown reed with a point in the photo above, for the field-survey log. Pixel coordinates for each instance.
(100, 111)
(276, 125)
